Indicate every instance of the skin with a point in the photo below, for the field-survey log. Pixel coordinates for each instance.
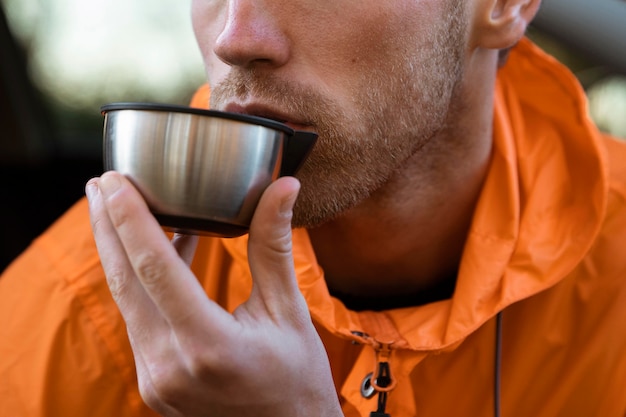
(368, 126)
(401, 95)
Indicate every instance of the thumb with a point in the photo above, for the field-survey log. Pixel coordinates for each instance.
(269, 245)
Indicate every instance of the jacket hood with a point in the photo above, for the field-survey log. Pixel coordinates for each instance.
(538, 213)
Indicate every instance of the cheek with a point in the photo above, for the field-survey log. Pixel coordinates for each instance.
(207, 18)
(216, 70)
(369, 43)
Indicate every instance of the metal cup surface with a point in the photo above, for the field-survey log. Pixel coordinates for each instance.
(198, 174)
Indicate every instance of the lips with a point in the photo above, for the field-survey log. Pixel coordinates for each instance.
(268, 113)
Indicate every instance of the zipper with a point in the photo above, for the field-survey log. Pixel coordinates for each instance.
(384, 382)
(381, 381)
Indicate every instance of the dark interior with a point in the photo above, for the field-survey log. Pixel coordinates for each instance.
(39, 178)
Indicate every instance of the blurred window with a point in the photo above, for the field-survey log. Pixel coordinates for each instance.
(83, 54)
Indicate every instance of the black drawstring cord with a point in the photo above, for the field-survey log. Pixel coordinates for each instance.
(498, 363)
(382, 380)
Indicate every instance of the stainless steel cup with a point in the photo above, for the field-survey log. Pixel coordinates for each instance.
(200, 171)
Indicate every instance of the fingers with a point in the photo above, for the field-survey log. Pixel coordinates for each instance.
(186, 246)
(140, 241)
(126, 290)
(148, 387)
(189, 352)
(270, 249)
(142, 264)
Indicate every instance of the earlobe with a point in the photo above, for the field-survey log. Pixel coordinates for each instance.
(502, 23)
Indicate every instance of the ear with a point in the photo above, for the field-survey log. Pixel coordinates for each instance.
(501, 24)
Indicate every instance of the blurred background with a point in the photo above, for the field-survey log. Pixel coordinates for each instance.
(61, 60)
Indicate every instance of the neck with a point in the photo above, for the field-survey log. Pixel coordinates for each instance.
(408, 237)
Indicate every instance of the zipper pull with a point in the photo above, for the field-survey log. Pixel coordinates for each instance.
(380, 381)
(383, 380)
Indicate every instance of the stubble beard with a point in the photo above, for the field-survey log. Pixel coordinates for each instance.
(399, 107)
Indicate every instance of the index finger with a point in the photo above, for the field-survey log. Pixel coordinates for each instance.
(165, 276)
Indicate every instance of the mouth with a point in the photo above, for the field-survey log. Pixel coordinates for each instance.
(269, 113)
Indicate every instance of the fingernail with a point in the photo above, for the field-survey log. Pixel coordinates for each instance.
(91, 188)
(109, 184)
(288, 202)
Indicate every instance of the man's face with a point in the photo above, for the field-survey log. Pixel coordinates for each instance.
(374, 78)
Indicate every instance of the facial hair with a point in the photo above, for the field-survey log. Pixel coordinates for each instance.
(399, 106)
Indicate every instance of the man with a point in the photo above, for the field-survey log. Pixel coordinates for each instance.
(453, 246)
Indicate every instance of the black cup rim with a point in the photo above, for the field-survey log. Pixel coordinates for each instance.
(173, 108)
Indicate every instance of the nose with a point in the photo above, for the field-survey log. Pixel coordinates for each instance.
(252, 36)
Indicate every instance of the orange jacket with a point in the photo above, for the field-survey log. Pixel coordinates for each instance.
(547, 247)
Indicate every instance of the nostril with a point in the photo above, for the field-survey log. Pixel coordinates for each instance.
(252, 39)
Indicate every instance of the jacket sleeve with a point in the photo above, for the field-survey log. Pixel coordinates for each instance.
(63, 345)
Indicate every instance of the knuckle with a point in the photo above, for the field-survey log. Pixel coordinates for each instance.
(278, 247)
(219, 362)
(120, 212)
(97, 224)
(282, 243)
(147, 393)
(200, 370)
(165, 392)
(205, 364)
(118, 281)
(151, 267)
(166, 384)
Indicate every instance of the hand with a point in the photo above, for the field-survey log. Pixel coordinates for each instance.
(194, 358)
